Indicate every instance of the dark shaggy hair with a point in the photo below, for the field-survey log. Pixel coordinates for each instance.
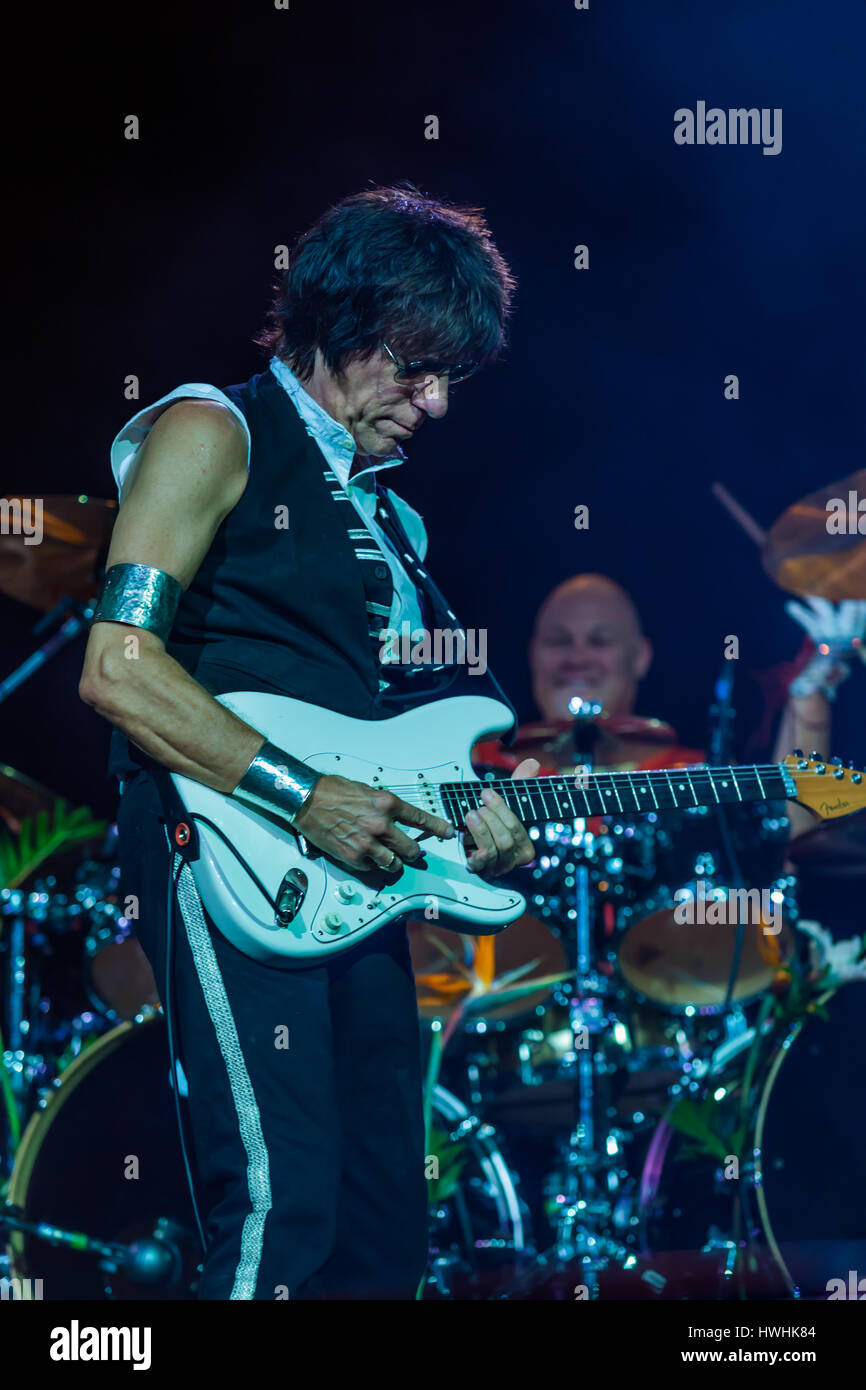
(391, 265)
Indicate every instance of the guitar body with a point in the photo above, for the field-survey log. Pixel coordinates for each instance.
(281, 901)
(249, 852)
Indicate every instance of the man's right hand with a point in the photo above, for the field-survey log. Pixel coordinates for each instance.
(357, 825)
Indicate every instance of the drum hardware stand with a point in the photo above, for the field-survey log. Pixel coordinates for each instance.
(14, 1082)
(16, 988)
(585, 1224)
(15, 1070)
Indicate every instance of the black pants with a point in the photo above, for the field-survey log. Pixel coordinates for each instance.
(308, 1158)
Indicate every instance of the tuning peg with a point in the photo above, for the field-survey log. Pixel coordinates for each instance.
(857, 778)
(839, 773)
(837, 762)
(798, 753)
(815, 755)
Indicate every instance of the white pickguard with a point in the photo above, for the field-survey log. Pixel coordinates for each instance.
(418, 749)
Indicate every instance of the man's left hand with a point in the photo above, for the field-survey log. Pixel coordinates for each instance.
(496, 838)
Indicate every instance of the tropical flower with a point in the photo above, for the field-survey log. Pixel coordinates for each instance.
(834, 962)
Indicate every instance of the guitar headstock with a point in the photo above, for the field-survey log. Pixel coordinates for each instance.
(827, 789)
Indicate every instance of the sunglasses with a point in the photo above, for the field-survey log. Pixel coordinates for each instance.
(417, 372)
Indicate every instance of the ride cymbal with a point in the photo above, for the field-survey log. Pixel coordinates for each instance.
(817, 548)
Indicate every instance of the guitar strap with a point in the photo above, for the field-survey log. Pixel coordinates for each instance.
(439, 615)
(180, 827)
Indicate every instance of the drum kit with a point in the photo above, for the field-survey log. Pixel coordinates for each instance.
(642, 1104)
(618, 1107)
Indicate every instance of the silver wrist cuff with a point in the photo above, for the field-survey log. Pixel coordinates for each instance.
(140, 596)
(276, 782)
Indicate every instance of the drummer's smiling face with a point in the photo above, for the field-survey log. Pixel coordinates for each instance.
(588, 642)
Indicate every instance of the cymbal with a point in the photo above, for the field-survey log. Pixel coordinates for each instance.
(820, 550)
(21, 798)
(621, 726)
(675, 964)
(74, 533)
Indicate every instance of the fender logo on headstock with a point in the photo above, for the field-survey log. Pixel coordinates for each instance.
(817, 782)
(830, 808)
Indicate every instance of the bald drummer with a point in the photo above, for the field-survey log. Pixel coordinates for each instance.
(588, 641)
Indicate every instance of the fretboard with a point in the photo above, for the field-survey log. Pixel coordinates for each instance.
(621, 793)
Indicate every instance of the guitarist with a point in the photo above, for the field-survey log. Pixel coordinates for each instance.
(256, 549)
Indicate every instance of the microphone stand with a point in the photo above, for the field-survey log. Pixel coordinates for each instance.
(721, 726)
(584, 737)
(70, 629)
(157, 1260)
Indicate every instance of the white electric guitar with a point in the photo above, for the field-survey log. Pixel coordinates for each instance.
(280, 900)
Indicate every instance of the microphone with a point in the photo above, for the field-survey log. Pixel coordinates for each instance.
(722, 715)
(584, 732)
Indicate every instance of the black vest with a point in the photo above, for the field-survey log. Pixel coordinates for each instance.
(282, 609)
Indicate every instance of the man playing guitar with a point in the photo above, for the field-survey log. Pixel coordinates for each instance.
(256, 550)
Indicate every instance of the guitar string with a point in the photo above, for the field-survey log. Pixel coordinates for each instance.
(656, 778)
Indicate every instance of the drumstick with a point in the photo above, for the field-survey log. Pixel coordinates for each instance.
(748, 523)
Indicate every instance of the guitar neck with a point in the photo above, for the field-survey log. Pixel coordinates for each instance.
(622, 793)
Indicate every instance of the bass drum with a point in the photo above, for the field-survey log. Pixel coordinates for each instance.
(479, 1238)
(810, 1142)
(112, 1107)
(801, 1190)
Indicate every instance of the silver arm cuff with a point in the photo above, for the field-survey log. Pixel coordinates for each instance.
(140, 596)
(276, 782)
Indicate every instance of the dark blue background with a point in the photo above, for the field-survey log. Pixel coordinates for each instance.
(155, 258)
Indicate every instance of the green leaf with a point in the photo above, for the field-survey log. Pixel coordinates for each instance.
(452, 1156)
(698, 1122)
(42, 836)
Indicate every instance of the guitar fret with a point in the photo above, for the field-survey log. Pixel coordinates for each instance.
(523, 795)
(630, 783)
(616, 793)
(560, 789)
(671, 788)
(587, 795)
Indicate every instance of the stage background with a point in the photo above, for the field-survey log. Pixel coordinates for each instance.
(155, 258)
